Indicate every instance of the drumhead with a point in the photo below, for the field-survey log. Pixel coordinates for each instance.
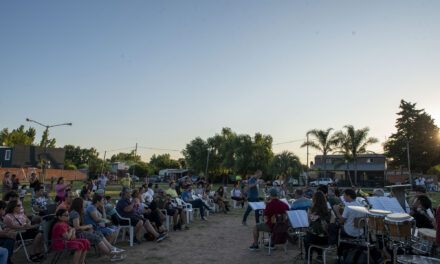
(416, 259)
(379, 212)
(427, 232)
(398, 216)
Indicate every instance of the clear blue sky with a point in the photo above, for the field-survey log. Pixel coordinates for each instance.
(160, 73)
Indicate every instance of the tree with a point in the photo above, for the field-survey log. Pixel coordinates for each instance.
(77, 157)
(285, 163)
(353, 142)
(17, 136)
(142, 169)
(416, 129)
(196, 153)
(46, 141)
(325, 144)
(126, 157)
(163, 161)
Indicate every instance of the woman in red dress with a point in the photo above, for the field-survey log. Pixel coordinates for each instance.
(62, 231)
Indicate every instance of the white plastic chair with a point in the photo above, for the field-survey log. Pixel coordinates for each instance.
(188, 209)
(124, 228)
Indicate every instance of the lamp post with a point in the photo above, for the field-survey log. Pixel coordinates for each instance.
(207, 163)
(45, 143)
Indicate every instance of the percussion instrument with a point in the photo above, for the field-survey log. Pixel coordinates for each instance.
(358, 221)
(399, 226)
(376, 221)
(416, 259)
(359, 209)
(422, 244)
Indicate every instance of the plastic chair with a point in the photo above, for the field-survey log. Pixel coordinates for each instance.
(124, 228)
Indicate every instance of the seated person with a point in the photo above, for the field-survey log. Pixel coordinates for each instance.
(220, 199)
(172, 190)
(64, 235)
(197, 203)
(67, 201)
(164, 202)
(95, 215)
(125, 208)
(301, 202)
(308, 193)
(76, 220)
(422, 212)
(319, 220)
(7, 237)
(348, 216)
(200, 191)
(85, 195)
(148, 210)
(39, 202)
(236, 195)
(16, 221)
(333, 196)
(274, 207)
(13, 196)
(110, 210)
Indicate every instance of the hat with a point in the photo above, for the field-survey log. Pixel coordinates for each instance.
(160, 190)
(273, 192)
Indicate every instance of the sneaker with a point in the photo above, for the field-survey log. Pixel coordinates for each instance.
(161, 237)
(116, 250)
(117, 258)
(204, 218)
(254, 247)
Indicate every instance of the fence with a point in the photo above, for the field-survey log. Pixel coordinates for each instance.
(22, 173)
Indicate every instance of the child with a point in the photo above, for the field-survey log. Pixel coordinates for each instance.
(22, 192)
(63, 234)
(110, 210)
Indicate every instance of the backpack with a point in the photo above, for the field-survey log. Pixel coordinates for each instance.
(279, 230)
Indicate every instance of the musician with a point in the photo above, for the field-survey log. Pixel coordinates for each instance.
(319, 219)
(422, 212)
(301, 202)
(348, 216)
(332, 197)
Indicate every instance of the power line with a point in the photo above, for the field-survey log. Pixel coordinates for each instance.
(164, 149)
(286, 142)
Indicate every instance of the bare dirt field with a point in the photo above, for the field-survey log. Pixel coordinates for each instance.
(223, 239)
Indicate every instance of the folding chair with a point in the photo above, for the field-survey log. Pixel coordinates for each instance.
(324, 248)
(276, 219)
(46, 225)
(124, 228)
(21, 243)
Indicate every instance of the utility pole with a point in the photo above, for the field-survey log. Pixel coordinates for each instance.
(135, 151)
(307, 168)
(103, 162)
(409, 164)
(207, 163)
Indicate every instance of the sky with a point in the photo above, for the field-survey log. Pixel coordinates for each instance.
(160, 73)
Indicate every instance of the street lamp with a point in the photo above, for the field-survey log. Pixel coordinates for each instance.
(45, 143)
(207, 163)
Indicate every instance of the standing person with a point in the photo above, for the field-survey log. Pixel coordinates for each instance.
(22, 193)
(34, 183)
(103, 181)
(126, 181)
(60, 189)
(14, 182)
(7, 184)
(253, 196)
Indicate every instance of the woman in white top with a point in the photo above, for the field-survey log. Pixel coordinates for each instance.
(237, 196)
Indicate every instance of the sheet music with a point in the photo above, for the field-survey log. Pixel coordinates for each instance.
(257, 205)
(284, 200)
(386, 203)
(298, 218)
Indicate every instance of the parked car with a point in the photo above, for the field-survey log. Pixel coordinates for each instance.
(194, 178)
(154, 179)
(293, 181)
(324, 181)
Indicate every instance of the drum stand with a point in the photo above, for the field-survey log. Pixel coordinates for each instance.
(300, 234)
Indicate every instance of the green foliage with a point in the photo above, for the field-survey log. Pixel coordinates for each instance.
(434, 170)
(416, 127)
(69, 165)
(83, 158)
(17, 136)
(163, 161)
(285, 163)
(125, 157)
(142, 169)
(45, 141)
(229, 153)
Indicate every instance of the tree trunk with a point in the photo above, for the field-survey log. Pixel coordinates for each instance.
(349, 176)
(324, 159)
(355, 170)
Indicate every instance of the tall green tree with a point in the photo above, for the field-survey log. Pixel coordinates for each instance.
(196, 153)
(325, 143)
(46, 141)
(163, 161)
(17, 136)
(354, 142)
(417, 129)
(127, 157)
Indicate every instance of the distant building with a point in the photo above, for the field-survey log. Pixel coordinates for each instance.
(119, 166)
(21, 156)
(371, 169)
(173, 174)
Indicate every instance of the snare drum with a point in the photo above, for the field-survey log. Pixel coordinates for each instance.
(376, 221)
(427, 234)
(415, 259)
(399, 226)
(422, 244)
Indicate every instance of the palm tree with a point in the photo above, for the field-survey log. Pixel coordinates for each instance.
(355, 142)
(344, 149)
(325, 144)
(285, 163)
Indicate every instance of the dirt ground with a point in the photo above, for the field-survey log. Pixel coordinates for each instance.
(222, 239)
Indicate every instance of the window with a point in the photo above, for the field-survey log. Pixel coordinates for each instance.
(8, 154)
(370, 160)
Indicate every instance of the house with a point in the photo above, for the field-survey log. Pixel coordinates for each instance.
(371, 169)
(173, 174)
(21, 156)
